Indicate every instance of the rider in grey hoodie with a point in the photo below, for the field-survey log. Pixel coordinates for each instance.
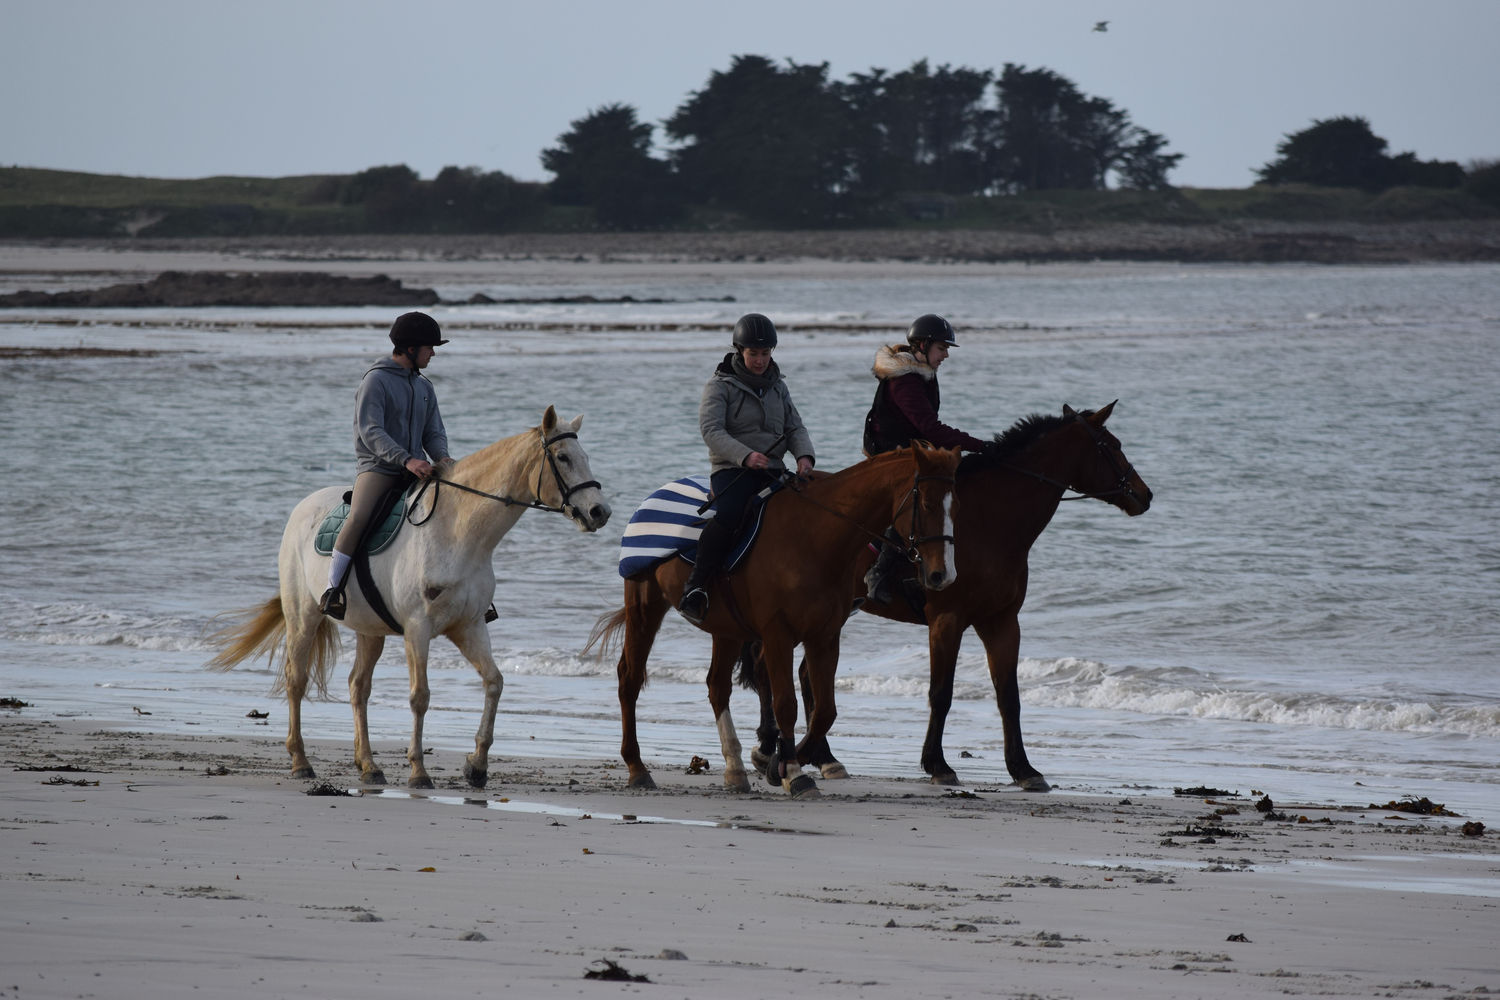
(398, 434)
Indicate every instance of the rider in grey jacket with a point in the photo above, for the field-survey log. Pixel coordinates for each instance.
(748, 421)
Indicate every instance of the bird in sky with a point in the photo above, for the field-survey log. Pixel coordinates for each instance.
(1101, 25)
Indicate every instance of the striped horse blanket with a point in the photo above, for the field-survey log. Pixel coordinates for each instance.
(667, 524)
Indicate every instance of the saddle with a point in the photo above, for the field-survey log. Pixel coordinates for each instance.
(378, 540)
(668, 523)
(388, 517)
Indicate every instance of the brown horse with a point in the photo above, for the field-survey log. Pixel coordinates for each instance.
(1005, 502)
(791, 588)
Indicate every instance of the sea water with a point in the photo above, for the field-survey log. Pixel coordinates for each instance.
(1307, 610)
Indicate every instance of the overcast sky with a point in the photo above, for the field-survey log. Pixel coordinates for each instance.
(196, 88)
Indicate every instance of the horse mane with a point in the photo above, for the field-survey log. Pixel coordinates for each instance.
(1013, 441)
(512, 452)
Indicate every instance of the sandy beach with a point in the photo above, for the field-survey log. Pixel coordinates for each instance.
(153, 865)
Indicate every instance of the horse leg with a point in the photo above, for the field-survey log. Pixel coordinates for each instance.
(1002, 644)
(766, 734)
(820, 662)
(943, 637)
(720, 687)
(473, 641)
(300, 636)
(815, 750)
(645, 606)
(367, 649)
(783, 768)
(419, 697)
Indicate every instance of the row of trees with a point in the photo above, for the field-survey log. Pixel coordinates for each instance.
(785, 144)
(782, 144)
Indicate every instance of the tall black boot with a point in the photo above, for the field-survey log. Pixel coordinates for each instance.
(881, 578)
(713, 546)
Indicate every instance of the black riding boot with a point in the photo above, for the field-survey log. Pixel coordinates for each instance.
(881, 578)
(713, 546)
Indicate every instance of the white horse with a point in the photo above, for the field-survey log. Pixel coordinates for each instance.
(435, 578)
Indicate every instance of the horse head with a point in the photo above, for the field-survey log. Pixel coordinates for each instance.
(924, 516)
(571, 487)
(1104, 471)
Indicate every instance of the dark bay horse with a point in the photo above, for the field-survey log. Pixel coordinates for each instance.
(792, 588)
(1005, 502)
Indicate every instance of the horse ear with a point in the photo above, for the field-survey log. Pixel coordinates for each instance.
(576, 423)
(1069, 412)
(549, 420)
(1103, 414)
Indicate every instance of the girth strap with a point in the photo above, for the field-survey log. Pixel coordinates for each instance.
(372, 593)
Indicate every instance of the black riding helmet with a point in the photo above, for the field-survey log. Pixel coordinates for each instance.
(754, 330)
(416, 329)
(930, 328)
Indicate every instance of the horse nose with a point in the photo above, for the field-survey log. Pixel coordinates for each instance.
(937, 580)
(599, 514)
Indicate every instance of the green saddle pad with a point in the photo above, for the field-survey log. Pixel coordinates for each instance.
(328, 531)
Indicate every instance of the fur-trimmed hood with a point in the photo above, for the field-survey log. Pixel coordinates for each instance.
(897, 360)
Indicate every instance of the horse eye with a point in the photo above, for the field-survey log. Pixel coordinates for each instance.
(563, 459)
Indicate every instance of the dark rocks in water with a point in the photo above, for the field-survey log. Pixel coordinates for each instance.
(1203, 791)
(214, 288)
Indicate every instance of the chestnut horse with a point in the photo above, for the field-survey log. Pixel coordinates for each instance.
(791, 588)
(436, 578)
(1005, 502)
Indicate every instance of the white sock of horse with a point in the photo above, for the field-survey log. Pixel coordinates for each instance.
(336, 571)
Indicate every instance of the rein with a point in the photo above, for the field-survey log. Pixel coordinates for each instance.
(563, 488)
(913, 540)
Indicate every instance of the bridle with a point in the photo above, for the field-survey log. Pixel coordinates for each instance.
(564, 490)
(1122, 472)
(914, 538)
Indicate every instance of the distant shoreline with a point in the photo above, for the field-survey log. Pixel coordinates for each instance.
(1247, 241)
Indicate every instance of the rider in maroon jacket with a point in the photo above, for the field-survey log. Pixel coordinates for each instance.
(906, 409)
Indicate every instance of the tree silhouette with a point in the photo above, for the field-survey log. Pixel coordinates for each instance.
(1346, 152)
(1333, 152)
(917, 130)
(604, 160)
(766, 140)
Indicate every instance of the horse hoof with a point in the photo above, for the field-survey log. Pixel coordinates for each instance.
(834, 771)
(759, 761)
(375, 777)
(739, 783)
(946, 778)
(419, 782)
(802, 787)
(1035, 783)
(642, 780)
(474, 776)
(305, 771)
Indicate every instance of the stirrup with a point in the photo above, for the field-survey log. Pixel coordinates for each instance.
(333, 604)
(694, 605)
(490, 614)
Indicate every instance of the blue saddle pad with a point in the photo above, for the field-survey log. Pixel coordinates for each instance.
(667, 524)
(328, 531)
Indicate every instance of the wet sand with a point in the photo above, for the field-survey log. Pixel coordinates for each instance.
(169, 865)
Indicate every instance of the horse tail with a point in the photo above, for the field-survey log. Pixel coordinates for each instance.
(261, 631)
(257, 632)
(746, 664)
(606, 631)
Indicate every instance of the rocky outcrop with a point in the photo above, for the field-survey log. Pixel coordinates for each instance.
(212, 288)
